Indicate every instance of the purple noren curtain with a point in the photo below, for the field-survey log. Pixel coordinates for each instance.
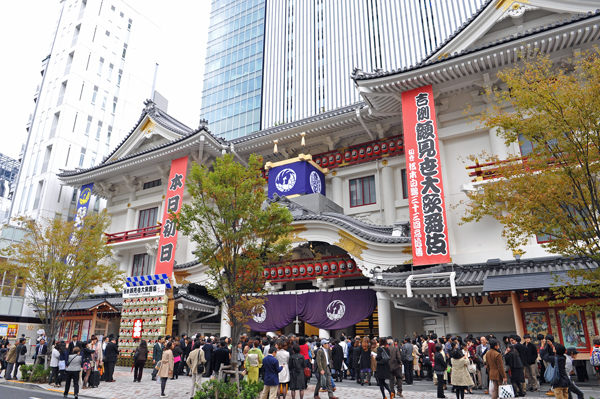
(327, 310)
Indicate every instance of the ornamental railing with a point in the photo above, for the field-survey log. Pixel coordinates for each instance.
(136, 234)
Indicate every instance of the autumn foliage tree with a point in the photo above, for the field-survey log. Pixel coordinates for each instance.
(236, 233)
(553, 190)
(60, 263)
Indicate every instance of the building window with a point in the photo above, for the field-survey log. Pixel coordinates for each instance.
(129, 24)
(89, 124)
(54, 124)
(108, 135)
(61, 94)
(404, 184)
(46, 159)
(94, 94)
(525, 145)
(362, 191)
(124, 51)
(153, 183)
(114, 105)
(100, 65)
(104, 101)
(99, 130)
(147, 218)
(38, 194)
(81, 157)
(110, 71)
(142, 265)
(119, 77)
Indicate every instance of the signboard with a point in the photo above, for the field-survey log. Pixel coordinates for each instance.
(428, 221)
(137, 329)
(12, 331)
(83, 203)
(168, 234)
(3, 330)
(300, 177)
(140, 292)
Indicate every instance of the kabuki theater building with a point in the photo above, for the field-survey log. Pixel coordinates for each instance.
(375, 191)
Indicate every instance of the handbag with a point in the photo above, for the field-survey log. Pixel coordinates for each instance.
(61, 365)
(177, 359)
(323, 380)
(552, 375)
(506, 392)
(472, 368)
(157, 366)
(200, 366)
(307, 372)
(21, 358)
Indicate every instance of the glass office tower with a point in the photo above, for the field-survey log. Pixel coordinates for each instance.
(231, 98)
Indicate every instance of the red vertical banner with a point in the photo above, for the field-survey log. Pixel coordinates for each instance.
(428, 221)
(167, 243)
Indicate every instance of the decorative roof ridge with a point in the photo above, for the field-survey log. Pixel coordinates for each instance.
(194, 298)
(359, 74)
(301, 122)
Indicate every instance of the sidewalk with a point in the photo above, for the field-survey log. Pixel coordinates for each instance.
(125, 388)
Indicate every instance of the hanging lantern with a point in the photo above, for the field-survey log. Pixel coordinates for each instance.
(280, 272)
(454, 300)
(288, 271)
(295, 270)
(302, 270)
(333, 267)
(399, 144)
(478, 299)
(325, 267)
(331, 159)
(318, 269)
(318, 161)
(354, 154)
(338, 158)
(391, 145)
(351, 266)
(362, 152)
(347, 156)
(443, 301)
(324, 161)
(369, 150)
(467, 300)
(504, 299)
(310, 269)
(377, 149)
(274, 272)
(266, 272)
(384, 147)
(342, 266)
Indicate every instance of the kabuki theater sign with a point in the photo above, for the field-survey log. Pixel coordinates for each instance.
(428, 221)
(168, 234)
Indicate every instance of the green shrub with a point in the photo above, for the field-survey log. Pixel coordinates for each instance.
(25, 372)
(40, 374)
(211, 388)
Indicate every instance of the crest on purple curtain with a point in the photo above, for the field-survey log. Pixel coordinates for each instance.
(277, 312)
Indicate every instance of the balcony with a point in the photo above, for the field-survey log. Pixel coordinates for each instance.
(125, 236)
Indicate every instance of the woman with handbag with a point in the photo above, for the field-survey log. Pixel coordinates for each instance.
(54, 361)
(87, 363)
(517, 374)
(461, 378)
(177, 353)
(73, 370)
(383, 367)
(283, 357)
(297, 377)
(167, 365)
(139, 360)
(196, 363)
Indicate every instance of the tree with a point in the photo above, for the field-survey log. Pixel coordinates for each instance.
(60, 263)
(235, 233)
(554, 189)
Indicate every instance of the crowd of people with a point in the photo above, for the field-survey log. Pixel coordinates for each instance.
(286, 364)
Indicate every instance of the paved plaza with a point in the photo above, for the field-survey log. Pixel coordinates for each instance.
(125, 388)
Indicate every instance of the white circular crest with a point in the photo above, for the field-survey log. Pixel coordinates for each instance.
(315, 182)
(261, 314)
(336, 310)
(285, 180)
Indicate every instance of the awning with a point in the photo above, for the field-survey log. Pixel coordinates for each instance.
(529, 281)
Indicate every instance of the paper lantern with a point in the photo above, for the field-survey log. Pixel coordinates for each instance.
(362, 152)
(369, 150)
(399, 144)
(310, 269)
(467, 300)
(391, 145)
(331, 159)
(384, 147)
(333, 267)
(325, 268)
(377, 149)
(273, 272)
(288, 271)
(266, 272)
(351, 266)
(318, 161)
(295, 271)
(454, 300)
(318, 269)
(280, 272)
(302, 270)
(343, 267)
(347, 156)
(478, 299)
(338, 158)
(324, 161)
(354, 154)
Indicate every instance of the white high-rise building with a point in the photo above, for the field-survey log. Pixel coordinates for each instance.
(94, 79)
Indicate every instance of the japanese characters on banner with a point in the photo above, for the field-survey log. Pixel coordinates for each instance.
(428, 221)
(167, 243)
(83, 203)
(137, 329)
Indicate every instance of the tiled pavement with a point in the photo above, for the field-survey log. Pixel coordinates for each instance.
(125, 388)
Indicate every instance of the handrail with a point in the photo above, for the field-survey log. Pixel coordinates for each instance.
(129, 235)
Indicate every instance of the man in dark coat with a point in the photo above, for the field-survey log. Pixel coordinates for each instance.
(337, 353)
(220, 357)
(21, 351)
(208, 352)
(323, 368)
(110, 358)
(531, 364)
(72, 344)
(271, 369)
(40, 352)
(395, 367)
(157, 353)
(522, 349)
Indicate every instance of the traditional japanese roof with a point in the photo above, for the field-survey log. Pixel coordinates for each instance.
(358, 74)
(202, 299)
(91, 304)
(161, 118)
(494, 275)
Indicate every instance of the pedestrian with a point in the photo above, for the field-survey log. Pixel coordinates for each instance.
(54, 361)
(556, 357)
(571, 356)
(395, 368)
(383, 367)
(271, 379)
(157, 352)
(220, 357)
(297, 378)
(356, 350)
(111, 354)
(323, 369)
(196, 358)
(87, 362)
(72, 344)
(177, 355)
(439, 368)
(21, 356)
(62, 363)
(416, 359)
(496, 371)
(480, 353)
(283, 357)
(407, 360)
(253, 362)
(515, 363)
(531, 369)
(373, 343)
(11, 359)
(73, 369)
(461, 379)
(337, 354)
(241, 358)
(365, 362)
(595, 357)
(139, 360)
(40, 352)
(167, 366)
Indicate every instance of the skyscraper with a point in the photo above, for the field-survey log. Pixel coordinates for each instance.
(94, 79)
(276, 62)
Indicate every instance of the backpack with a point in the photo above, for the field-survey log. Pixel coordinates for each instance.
(253, 359)
(595, 357)
(552, 375)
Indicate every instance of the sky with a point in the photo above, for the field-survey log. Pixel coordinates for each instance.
(25, 28)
